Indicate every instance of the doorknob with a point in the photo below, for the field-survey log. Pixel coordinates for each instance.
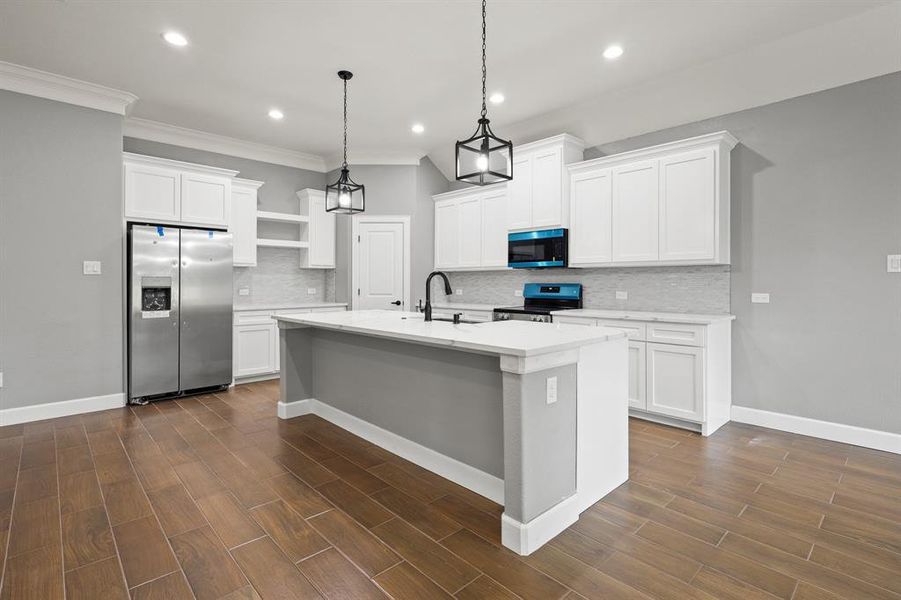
(396, 303)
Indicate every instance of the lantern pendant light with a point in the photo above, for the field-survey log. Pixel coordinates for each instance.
(484, 158)
(345, 196)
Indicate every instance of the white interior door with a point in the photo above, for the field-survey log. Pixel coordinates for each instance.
(380, 264)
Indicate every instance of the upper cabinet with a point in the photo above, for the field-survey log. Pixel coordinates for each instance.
(538, 196)
(243, 221)
(471, 229)
(174, 192)
(663, 205)
(318, 231)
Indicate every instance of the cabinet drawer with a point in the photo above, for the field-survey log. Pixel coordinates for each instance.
(256, 317)
(635, 331)
(675, 333)
(574, 320)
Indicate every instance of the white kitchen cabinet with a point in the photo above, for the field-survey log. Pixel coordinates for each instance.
(243, 221)
(470, 229)
(539, 191)
(687, 206)
(591, 203)
(679, 373)
(675, 381)
(635, 200)
(494, 229)
(256, 343)
(669, 205)
(166, 191)
(319, 231)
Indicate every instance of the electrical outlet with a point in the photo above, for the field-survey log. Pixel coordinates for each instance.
(517, 293)
(760, 298)
(459, 292)
(91, 267)
(893, 263)
(1, 379)
(551, 389)
(311, 291)
(244, 291)
(620, 295)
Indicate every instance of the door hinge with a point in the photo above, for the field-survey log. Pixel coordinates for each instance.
(358, 239)
(358, 291)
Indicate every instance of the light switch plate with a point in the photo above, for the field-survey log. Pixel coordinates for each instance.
(551, 389)
(244, 291)
(91, 267)
(311, 291)
(620, 295)
(459, 292)
(517, 293)
(893, 263)
(760, 298)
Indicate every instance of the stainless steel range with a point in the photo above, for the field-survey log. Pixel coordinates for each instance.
(539, 299)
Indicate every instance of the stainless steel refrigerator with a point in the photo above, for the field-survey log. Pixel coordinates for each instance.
(179, 311)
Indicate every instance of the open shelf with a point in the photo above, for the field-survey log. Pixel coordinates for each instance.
(264, 215)
(282, 243)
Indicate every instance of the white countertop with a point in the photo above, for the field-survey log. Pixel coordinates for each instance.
(517, 338)
(287, 306)
(627, 315)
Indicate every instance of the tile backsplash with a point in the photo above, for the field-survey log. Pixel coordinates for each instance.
(277, 279)
(669, 289)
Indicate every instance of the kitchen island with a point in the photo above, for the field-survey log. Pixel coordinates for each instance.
(530, 415)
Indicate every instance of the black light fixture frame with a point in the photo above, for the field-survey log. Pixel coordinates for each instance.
(345, 185)
(484, 142)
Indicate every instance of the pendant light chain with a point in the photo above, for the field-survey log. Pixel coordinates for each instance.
(345, 123)
(484, 69)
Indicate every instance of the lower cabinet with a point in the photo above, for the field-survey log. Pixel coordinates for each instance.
(685, 379)
(255, 341)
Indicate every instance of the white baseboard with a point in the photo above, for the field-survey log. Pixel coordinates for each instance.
(65, 408)
(837, 432)
(525, 538)
(469, 477)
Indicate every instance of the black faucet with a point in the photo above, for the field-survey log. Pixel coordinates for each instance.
(428, 292)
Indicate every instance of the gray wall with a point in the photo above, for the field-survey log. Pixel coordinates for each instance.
(277, 278)
(394, 190)
(61, 332)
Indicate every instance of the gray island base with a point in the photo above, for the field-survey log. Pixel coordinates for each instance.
(531, 415)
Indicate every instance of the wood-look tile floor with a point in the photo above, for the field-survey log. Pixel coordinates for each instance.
(215, 497)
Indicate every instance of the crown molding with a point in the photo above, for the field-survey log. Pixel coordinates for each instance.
(25, 80)
(375, 157)
(155, 131)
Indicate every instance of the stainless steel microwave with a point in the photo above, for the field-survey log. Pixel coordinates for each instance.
(537, 249)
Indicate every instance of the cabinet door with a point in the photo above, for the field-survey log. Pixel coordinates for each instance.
(688, 206)
(322, 234)
(547, 189)
(519, 196)
(255, 349)
(243, 226)
(470, 236)
(591, 228)
(676, 381)
(447, 234)
(635, 193)
(494, 229)
(205, 199)
(152, 193)
(637, 375)
(574, 320)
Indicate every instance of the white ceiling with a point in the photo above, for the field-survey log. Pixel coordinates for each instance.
(418, 61)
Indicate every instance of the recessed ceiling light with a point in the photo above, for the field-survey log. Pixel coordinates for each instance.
(496, 98)
(275, 114)
(613, 52)
(175, 38)
(417, 128)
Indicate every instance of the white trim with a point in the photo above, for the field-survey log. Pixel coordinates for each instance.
(64, 408)
(525, 538)
(155, 131)
(541, 362)
(469, 477)
(837, 432)
(42, 84)
(146, 159)
(355, 259)
(374, 157)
